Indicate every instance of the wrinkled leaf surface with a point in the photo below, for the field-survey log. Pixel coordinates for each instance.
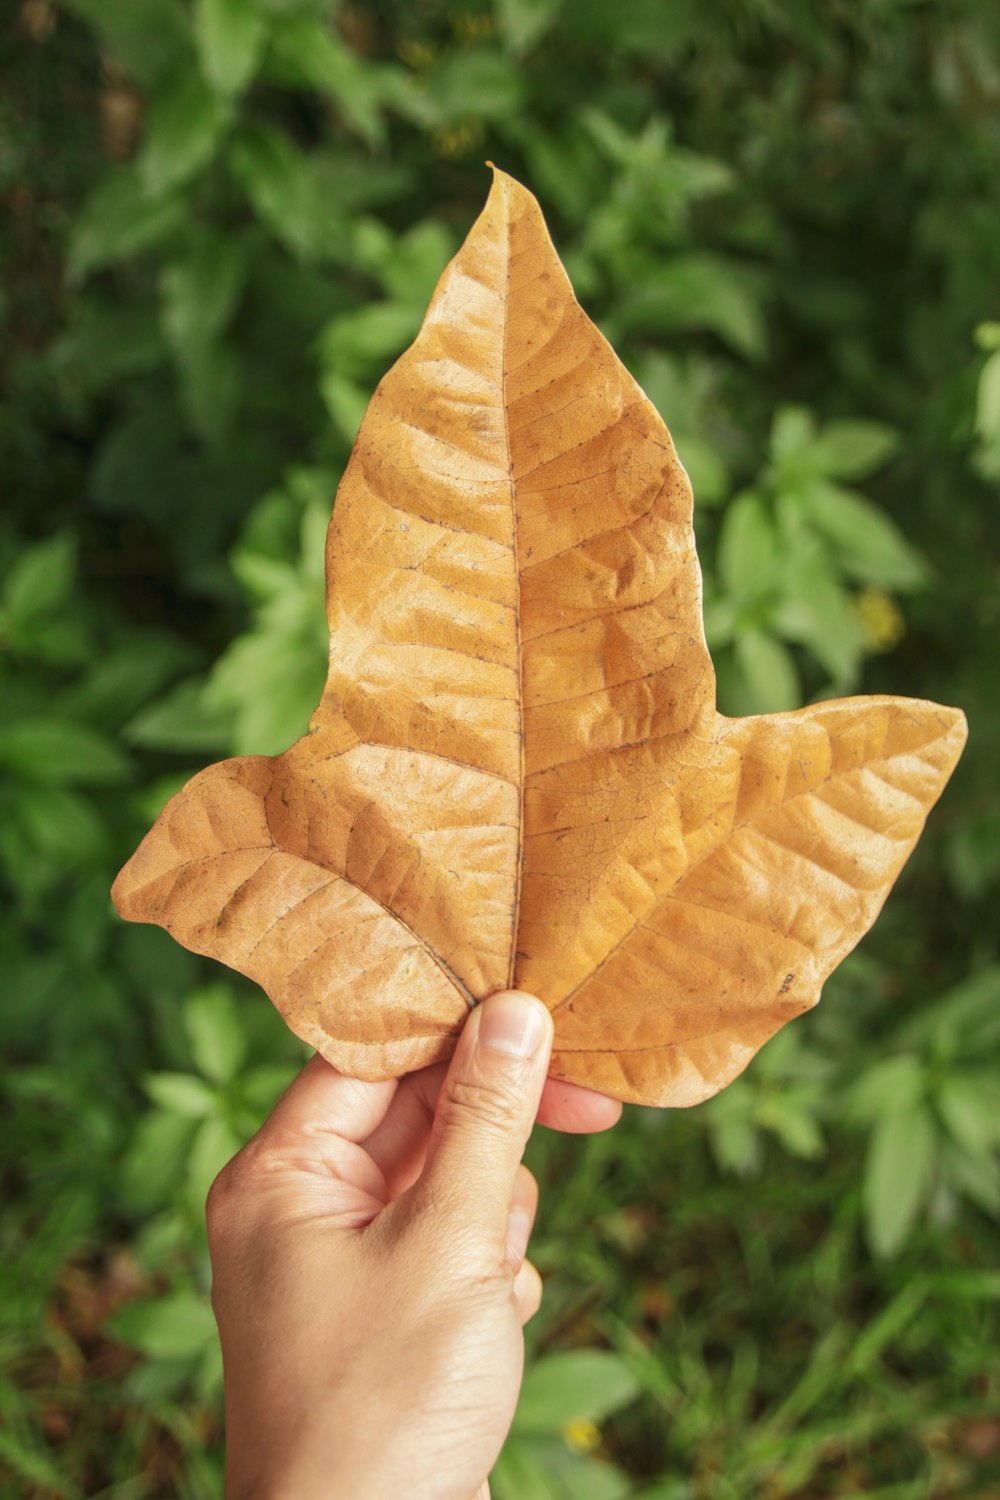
(516, 774)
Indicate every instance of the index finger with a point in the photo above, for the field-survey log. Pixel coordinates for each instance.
(320, 1101)
(398, 1144)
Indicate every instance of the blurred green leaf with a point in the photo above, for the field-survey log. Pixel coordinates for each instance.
(869, 546)
(199, 295)
(118, 220)
(41, 579)
(987, 337)
(183, 719)
(201, 290)
(186, 124)
(178, 1325)
(211, 389)
(962, 1022)
(670, 1489)
(475, 83)
(967, 1105)
(282, 184)
(582, 1384)
(208, 1388)
(523, 23)
(533, 1468)
(230, 36)
(793, 432)
(854, 449)
(32, 1462)
(658, 181)
(262, 578)
(287, 8)
(988, 399)
(521, 1475)
(789, 1117)
(887, 1324)
(814, 611)
(61, 824)
(706, 470)
(288, 673)
(733, 1131)
(891, 1085)
(120, 679)
(308, 54)
(103, 344)
(154, 1160)
(213, 1025)
(346, 401)
(284, 654)
(356, 341)
(972, 855)
(181, 1094)
(768, 671)
(747, 550)
(409, 268)
(684, 393)
(898, 1170)
(696, 291)
(59, 752)
(974, 1174)
(594, 1479)
(148, 37)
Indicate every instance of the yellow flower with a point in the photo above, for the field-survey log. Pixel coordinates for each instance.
(881, 619)
(456, 140)
(470, 26)
(417, 54)
(582, 1435)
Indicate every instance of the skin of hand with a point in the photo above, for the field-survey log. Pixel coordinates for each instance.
(370, 1279)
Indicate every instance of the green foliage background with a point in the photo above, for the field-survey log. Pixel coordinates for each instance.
(222, 221)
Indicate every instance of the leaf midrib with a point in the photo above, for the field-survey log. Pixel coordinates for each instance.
(504, 410)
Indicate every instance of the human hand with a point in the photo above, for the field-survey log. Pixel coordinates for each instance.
(370, 1281)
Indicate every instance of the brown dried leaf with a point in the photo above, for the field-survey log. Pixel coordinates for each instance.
(517, 774)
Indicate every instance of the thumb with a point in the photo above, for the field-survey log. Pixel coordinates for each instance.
(485, 1111)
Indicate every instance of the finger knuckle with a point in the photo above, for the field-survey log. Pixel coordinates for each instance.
(528, 1289)
(220, 1196)
(230, 1189)
(478, 1102)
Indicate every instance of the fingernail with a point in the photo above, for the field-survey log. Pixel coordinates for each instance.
(512, 1023)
